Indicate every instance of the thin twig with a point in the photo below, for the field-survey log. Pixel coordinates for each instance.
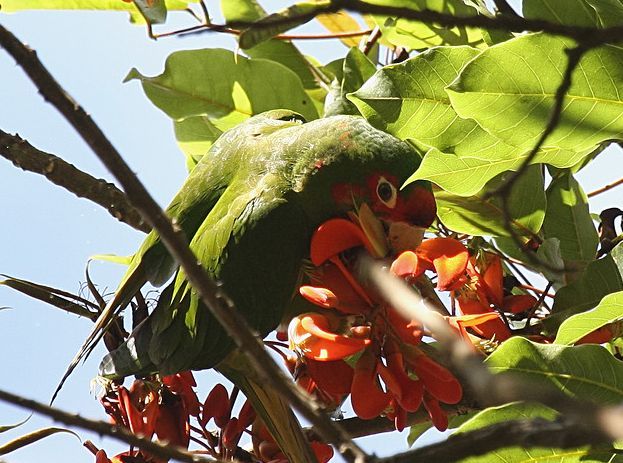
(25, 156)
(211, 293)
(229, 30)
(603, 189)
(104, 429)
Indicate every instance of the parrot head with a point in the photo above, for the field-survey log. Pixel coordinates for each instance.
(353, 164)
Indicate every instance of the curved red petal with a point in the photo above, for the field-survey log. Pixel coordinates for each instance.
(492, 277)
(449, 257)
(322, 297)
(333, 237)
(436, 413)
(437, 380)
(216, 405)
(335, 377)
(323, 452)
(407, 264)
(518, 303)
(367, 397)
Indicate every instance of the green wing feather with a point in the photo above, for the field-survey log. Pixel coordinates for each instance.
(199, 194)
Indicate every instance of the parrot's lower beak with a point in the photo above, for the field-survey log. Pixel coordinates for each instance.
(388, 237)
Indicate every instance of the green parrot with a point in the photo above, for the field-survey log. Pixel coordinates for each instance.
(249, 208)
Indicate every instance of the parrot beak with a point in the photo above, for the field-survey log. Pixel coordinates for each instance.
(415, 211)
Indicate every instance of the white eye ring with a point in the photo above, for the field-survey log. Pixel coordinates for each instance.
(386, 192)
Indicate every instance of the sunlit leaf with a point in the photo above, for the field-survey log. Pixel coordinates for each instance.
(568, 219)
(563, 368)
(409, 99)
(356, 69)
(195, 136)
(341, 22)
(477, 216)
(281, 51)
(279, 22)
(522, 411)
(154, 11)
(600, 278)
(9, 6)
(509, 89)
(591, 13)
(609, 310)
(415, 35)
(223, 87)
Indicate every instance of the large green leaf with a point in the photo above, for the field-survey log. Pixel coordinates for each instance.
(568, 219)
(356, 69)
(518, 411)
(281, 51)
(409, 99)
(224, 87)
(509, 89)
(476, 216)
(586, 372)
(591, 13)
(617, 255)
(195, 136)
(9, 6)
(599, 279)
(466, 175)
(281, 21)
(415, 35)
(609, 310)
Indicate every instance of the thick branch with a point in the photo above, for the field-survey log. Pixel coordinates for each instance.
(527, 433)
(211, 294)
(505, 22)
(25, 156)
(104, 429)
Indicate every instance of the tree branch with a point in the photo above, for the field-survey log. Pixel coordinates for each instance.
(219, 304)
(104, 429)
(25, 156)
(505, 22)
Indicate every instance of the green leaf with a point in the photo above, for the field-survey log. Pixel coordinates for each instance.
(415, 35)
(476, 216)
(356, 69)
(409, 99)
(281, 51)
(338, 22)
(9, 6)
(31, 438)
(507, 412)
(517, 411)
(599, 279)
(617, 256)
(416, 431)
(563, 368)
(53, 296)
(154, 11)
(509, 90)
(467, 174)
(609, 310)
(568, 219)
(195, 136)
(218, 84)
(590, 13)
(284, 20)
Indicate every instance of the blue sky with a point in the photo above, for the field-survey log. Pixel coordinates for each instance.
(47, 235)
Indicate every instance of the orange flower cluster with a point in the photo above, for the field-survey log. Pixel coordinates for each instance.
(354, 344)
(148, 408)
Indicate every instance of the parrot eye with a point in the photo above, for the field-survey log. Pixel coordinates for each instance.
(386, 192)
